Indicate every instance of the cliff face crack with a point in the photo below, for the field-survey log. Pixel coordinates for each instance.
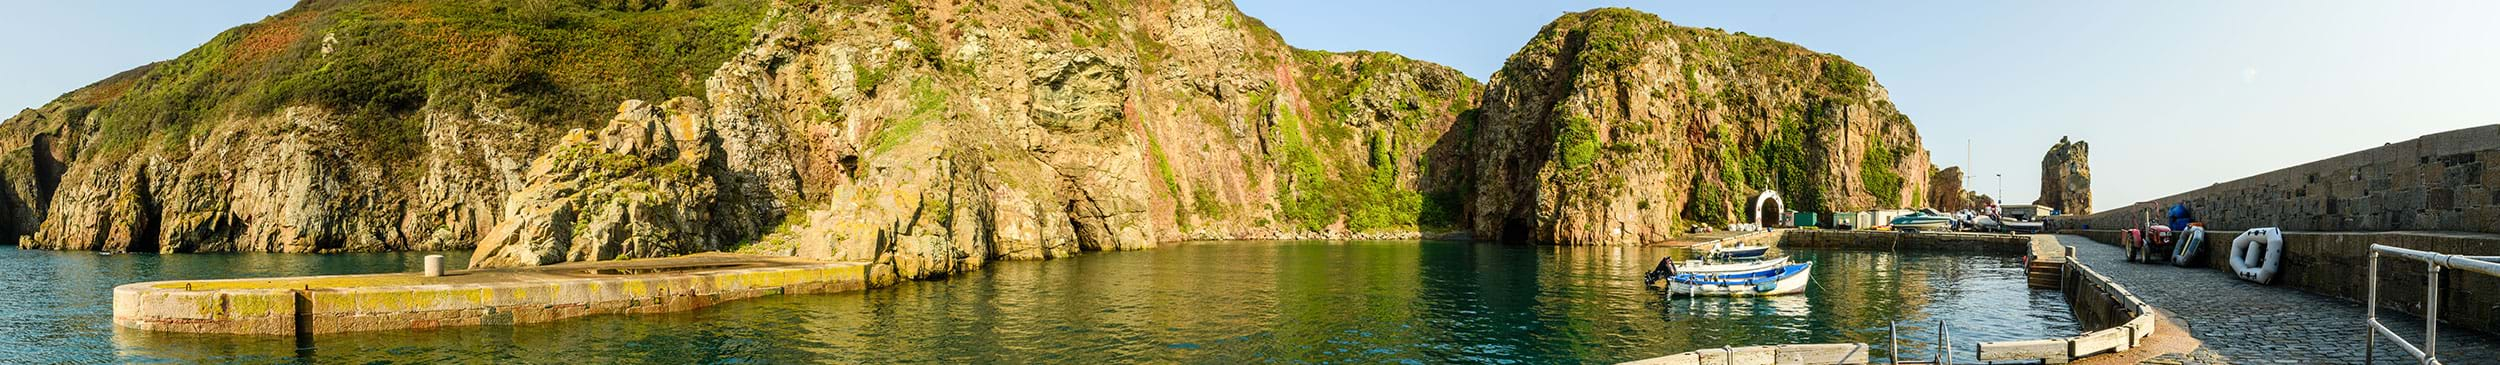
(48, 169)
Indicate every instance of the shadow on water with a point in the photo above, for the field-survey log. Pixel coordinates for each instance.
(1226, 302)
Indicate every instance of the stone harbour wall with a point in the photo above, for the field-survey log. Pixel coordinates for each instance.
(2437, 182)
(2011, 245)
(2119, 321)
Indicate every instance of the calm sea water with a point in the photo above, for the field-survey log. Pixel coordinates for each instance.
(1224, 302)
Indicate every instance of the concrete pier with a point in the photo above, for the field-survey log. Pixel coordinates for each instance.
(347, 303)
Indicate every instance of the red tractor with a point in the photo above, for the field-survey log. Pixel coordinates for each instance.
(2151, 244)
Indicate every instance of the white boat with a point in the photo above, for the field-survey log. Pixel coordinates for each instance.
(1994, 224)
(1669, 268)
(1722, 267)
(2023, 227)
(1783, 280)
(1739, 252)
(1922, 221)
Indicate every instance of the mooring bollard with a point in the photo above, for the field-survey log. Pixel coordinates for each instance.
(433, 265)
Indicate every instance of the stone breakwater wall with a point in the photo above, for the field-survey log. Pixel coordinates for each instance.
(2437, 182)
(2336, 264)
(2010, 245)
(1825, 353)
(348, 303)
(2117, 320)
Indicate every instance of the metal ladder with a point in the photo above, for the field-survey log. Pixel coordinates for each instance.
(2429, 352)
(1944, 344)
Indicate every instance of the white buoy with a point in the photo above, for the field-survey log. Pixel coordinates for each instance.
(433, 265)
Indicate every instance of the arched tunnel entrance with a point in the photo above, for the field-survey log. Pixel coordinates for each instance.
(1768, 210)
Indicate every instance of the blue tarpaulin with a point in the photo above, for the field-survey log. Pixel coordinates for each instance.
(2179, 217)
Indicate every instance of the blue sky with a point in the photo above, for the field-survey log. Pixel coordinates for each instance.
(2172, 95)
(51, 47)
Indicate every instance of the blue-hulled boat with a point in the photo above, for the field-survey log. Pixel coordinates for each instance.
(1669, 268)
(1789, 279)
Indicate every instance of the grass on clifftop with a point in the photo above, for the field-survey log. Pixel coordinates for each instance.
(556, 63)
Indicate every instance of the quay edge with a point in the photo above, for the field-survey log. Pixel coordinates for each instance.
(350, 303)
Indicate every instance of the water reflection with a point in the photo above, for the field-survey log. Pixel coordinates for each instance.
(1231, 302)
(60, 303)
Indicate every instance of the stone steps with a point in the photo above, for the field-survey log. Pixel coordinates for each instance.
(2045, 274)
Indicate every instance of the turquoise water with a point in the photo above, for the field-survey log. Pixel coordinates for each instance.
(1222, 302)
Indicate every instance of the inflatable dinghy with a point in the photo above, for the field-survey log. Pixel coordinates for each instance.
(2257, 254)
(2191, 246)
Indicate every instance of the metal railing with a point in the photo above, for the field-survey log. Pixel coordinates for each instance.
(1944, 344)
(2428, 353)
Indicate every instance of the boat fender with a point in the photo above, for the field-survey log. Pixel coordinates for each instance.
(2191, 246)
(2257, 254)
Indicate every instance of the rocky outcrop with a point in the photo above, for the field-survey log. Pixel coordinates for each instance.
(1944, 191)
(1006, 144)
(644, 186)
(2066, 177)
(1614, 127)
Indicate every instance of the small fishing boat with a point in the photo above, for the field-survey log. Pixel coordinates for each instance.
(1782, 280)
(2024, 227)
(1668, 268)
(1923, 220)
(1704, 267)
(1738, 252)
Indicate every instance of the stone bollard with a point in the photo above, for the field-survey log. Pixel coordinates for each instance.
(433, 265)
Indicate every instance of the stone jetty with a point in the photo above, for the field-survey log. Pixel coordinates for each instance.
(348, 303)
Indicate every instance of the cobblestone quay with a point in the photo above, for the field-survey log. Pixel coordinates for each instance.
(2256, 324)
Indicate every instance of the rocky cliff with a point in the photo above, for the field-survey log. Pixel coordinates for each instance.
(1614, 127)
(362, 126)
(2066, 177)
(926, 137)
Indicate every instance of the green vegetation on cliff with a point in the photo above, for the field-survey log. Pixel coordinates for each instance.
(1368, 120)
(376, 63)
(1576, 141)
(1876, 170)
(1367, 195)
